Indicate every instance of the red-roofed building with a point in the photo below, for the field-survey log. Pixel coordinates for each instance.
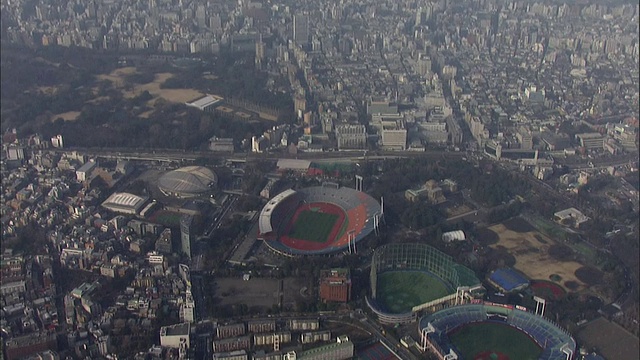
(335, 285)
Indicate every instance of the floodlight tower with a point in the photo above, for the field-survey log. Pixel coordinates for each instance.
(351, 239)
(382, 208)
(424, 335)
(375, 224)
(541, 305)
(359, 183)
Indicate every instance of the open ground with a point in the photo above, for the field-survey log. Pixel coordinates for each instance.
(533, 253)
(262, 293)
(117, 78)
(67, 116)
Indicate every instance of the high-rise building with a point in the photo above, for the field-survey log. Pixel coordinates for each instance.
(15, 152)
(187, 309)
(260, 52)
(215, 22)
(301, 29)
(394, 138)
(201, 16)
(525, 138)
(56, 141)
(350, 136)
(186, 234)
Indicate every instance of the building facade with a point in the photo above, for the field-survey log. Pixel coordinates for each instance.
(186, 234)
(335, 285)
(351, 136)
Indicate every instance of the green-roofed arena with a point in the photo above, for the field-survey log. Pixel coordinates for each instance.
(411, 278)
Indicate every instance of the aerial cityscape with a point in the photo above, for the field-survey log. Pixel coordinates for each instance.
(330, 179)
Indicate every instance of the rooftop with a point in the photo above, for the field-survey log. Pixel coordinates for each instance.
(124, 201)
(205, 101)
(175, 330)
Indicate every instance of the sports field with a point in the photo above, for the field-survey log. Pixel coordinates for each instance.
(399, 291)
(166, 218)
(312, 225)
(494, 341)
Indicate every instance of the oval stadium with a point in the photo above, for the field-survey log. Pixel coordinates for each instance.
(409, 278)
(484, 330)
(317, 220)
(187, 182)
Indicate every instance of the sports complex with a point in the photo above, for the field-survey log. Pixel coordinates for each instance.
(318, 220)
(409, 278)
(483, 330)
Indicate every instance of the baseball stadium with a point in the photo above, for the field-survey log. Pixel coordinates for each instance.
(317, 220)
(409, 278)
(483, 331)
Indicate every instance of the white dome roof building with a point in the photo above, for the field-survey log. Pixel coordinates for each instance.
(451, 236)
(187, 182)
(125, 203)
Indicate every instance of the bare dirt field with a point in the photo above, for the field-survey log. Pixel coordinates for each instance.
(259, 292)
(48, 90)
(118, 74)
(67, 116)
(255, 292)
(117, 78)
(457, 210)
(99, 99)
(532, 255)
(611, 340)
(146, 114)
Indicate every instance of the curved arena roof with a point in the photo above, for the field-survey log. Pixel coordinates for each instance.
(457, 235)
(264, 221)
(187, 181)
(124, 202)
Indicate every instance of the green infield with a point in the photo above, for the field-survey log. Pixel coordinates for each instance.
(399, 291)
(313, 226)
(167, 218)
(475, 339)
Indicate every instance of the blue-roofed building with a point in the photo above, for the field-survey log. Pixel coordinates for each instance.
(508, 280)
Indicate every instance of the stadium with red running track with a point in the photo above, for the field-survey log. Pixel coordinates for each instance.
(317, 220)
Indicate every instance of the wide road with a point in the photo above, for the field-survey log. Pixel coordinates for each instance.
(170, 155)
(178, 155)
(601, 163)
